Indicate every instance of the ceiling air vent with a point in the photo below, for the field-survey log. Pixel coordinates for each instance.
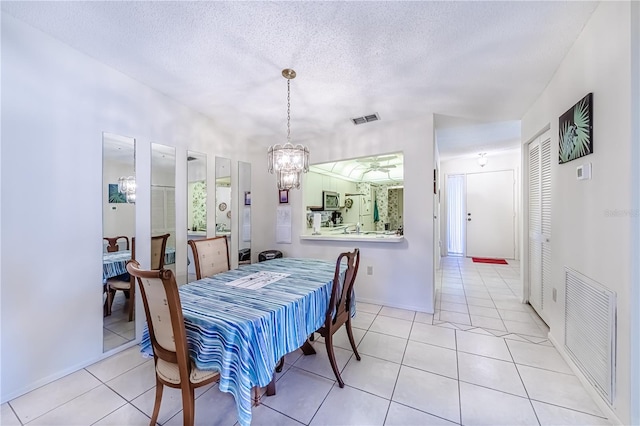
(365, 119)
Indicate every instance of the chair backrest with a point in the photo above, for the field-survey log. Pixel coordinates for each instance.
(112, 243)
(211, 256)
(338, 310)
(158, 250)
(163, 310)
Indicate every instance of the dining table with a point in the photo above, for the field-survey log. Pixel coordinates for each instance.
(115, 263)
(243, 321)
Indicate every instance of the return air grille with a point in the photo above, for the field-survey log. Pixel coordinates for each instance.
(590, 330)
(365, 119)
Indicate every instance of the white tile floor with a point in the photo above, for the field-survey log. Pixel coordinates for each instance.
(481, 359)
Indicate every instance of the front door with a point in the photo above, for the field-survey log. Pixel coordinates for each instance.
(491, 214)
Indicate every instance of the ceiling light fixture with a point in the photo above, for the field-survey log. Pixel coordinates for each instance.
(287, 161)
(127, 184)
(482, 160)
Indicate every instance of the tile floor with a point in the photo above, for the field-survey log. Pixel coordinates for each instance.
(117, 327)
(481, 359)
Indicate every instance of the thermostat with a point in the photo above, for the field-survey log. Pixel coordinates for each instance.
(583, 172)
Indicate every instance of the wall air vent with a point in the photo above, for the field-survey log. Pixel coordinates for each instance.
(366, 119)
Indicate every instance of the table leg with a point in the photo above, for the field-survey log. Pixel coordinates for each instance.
(307, 348)
(271, 387)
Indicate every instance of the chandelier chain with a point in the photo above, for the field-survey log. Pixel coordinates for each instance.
(288, 110)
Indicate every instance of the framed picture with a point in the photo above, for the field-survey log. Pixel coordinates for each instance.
(283, 196)
(576, 131)
(247, 198)
(116, 196)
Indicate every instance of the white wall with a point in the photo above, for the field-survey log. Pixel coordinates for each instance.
(507, 160)
(403, 272)
(56, 102)
(592, 220)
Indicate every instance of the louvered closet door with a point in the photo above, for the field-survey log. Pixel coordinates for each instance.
(540, 223)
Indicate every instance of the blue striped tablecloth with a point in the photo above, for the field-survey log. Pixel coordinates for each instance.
(115, 263)
(243, 333)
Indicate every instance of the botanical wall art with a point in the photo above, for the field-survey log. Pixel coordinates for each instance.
(576, 130)
(116, 196)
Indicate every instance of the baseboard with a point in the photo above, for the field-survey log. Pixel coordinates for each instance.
(601, 403)
(60, 374)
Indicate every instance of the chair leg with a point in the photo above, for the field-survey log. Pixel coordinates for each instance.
(156, 406)
(132, 300)
(188, 405)
(110, 296)
(328, 340)
(351, 340)
(280, 365)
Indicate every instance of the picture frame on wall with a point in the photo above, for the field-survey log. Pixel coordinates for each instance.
(283, 196)
(247, 198)
(115, 196)
(575, 138)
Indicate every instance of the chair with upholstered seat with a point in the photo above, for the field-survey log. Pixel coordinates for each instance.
(112, 243)
(126, 285)
(174, 367)
(339, 309)
(158, 250)
(211, 256)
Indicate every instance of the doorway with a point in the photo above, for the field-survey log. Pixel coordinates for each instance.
(490, 214)
(539, 223)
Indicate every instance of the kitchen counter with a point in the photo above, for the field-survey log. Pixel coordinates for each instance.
(333, 234)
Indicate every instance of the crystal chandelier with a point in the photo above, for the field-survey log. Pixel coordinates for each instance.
(287, 161)
(127, 186)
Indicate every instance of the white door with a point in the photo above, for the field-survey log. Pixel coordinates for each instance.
(491, 214)
(539, 223)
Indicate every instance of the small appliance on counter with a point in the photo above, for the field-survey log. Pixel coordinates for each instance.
(336, 217)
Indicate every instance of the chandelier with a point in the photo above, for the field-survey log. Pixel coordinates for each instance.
(287, 161)
(127, 186)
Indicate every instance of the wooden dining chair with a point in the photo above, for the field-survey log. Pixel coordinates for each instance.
(173, 365)
(211, 256)
(112, 243)
(339, 309)
(158, 250)
(126, 286)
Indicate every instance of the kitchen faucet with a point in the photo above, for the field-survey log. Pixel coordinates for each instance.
(356, 228)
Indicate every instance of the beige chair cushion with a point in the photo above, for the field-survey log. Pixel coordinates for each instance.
(212, 256)
(169, 372)
(119, 285)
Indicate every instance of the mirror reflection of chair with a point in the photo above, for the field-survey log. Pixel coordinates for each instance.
(158, 251)
(173, 366)
(339, 309)
(211, 256)
(112, 243)
(127, 286)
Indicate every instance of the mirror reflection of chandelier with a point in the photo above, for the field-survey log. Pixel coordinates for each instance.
(127, 186)
(287, 161)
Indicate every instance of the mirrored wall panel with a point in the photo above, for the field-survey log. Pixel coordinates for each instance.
(196, 204)
(118, 230)
(365, 193)
(223, 200)
(244, 208)
(163, 207)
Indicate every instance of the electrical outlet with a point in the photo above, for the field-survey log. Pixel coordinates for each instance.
(554, 295)
(369, 270)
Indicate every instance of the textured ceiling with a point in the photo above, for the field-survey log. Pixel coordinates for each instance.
(482, 61)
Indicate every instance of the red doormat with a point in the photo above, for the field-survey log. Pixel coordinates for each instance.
(487, 260)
